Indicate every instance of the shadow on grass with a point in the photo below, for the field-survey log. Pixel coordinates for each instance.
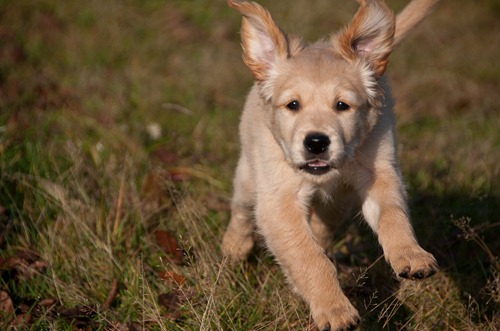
(462, 233)
(444, 225)
(459, 230)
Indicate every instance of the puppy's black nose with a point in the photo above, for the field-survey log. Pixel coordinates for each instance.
(316, 143)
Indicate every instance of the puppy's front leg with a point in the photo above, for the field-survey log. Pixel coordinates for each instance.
(238, 239)
(385, 210)
(282, 219)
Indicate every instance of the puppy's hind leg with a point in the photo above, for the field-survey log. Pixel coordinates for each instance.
(238, 239)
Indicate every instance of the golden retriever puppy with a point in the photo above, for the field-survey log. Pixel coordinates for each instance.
(317, 137)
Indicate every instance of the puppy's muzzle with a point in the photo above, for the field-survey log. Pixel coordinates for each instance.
(316, 145)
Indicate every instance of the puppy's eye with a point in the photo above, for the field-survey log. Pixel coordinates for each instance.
(341, 106)
(294, 105)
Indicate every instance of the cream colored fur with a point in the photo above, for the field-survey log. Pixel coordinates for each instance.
(321, 156)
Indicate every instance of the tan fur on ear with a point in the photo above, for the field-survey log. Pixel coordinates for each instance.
(411, 16)
(370, 35)
(262, 40)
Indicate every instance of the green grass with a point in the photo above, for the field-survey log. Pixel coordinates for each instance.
(84, 184)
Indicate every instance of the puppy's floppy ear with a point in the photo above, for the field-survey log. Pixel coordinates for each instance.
(262, 40)
(370, 35)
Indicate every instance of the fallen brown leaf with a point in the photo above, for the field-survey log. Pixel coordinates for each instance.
(80, 317)
(154, 193)
(47, 302)
(77, 312)
(9, 263)
(179, 174)
(21, 321)
(6, 305)
(135, 326)
(168, 244)
(119, 326)
(111, 295)
(24, 264)
(172, 302)
(40, 266)
(165, 156)
(171, 276)
(28, 255)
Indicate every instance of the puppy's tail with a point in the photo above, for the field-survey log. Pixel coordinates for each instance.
(411, 16)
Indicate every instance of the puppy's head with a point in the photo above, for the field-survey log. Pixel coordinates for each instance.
(324, 97)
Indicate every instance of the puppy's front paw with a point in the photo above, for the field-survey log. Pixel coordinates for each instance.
(412, 263)
(337, 316)
(236, 246)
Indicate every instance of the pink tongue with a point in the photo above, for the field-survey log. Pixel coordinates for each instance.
(317, 164)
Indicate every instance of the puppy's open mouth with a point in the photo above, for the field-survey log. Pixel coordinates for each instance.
(316, 167)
